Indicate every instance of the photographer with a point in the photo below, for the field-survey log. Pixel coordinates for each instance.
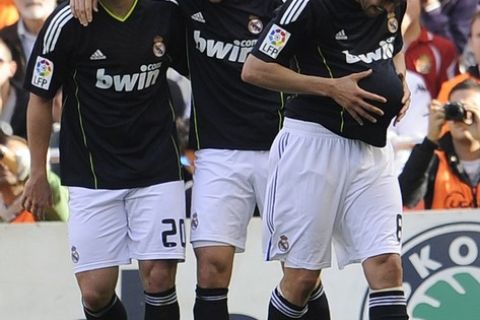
(444, 170)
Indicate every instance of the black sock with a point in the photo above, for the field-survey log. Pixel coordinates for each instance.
(211, 304)
(388, 305)
(318, 306)
(281, 309)
(162, 305)
(114, 310)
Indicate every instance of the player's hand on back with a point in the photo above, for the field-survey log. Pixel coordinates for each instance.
(37, 195)
(347, 93)
(405, 102)
(83, 10)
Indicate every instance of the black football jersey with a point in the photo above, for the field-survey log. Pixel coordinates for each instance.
(331, 39)
(117, 121)
(228, 113)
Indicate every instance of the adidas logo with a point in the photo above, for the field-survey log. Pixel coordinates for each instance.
(198, 17)
(341, 35)
(98, 55)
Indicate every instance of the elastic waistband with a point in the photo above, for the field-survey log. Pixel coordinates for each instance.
(307, 126)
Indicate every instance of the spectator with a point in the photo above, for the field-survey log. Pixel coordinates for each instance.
(20, 37)
(8, 13)
(14, 170)
(13, 99)
(14, 164)
(432, 56)
(472, 72)
(444, 170)
(449, 18)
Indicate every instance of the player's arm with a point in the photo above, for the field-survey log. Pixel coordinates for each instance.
(37, 195)
(345, 90)
(400, 67)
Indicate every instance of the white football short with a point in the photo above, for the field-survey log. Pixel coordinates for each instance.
(226, 186)
(321, 187)
(111, 227)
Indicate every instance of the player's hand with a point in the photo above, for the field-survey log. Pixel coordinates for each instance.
(436, 120)
(405, 102)
(352, 98)
(83, 10)
(37, 195)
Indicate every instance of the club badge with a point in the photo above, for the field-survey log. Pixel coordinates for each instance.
(255, 25)
(159, 48)
(392, 23)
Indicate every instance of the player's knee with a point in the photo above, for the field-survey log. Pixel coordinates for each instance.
(158, 276)
(214, 272)
(96, 299)
(383, 271)
(301, 285)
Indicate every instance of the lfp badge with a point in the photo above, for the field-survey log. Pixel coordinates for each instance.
(274, 42)
(42, 73)
(442, 273)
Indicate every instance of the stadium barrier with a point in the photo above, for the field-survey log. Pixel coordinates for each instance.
(440, 257)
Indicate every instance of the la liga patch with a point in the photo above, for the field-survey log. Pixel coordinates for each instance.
(275, 41)
(42, 73)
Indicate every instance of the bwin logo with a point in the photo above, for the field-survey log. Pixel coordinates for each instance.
(235, 52)
(147, 77)
(384, 52)
(442, 273)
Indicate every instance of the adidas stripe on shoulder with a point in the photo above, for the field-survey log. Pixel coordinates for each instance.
(293, 11)
(55, 28)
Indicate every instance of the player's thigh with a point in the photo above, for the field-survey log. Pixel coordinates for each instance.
(304, 191)
(156, 216)
(97, 228)
(372, 219)
(223, 197)
(260, 178)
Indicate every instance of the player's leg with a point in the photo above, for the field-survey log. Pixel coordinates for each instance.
(317, 303)
(98, 238)
(214, 271)
(98, 294)
(156, 216)
(318, 307)
(371, 229)
(290, 299)
(303, 194)
(158, 279)
(223, 202)
(385, 279)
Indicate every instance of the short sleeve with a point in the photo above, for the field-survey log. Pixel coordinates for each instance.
(291, 24)
(47, 65)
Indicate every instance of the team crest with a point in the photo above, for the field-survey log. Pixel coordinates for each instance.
(159, 48)
(255, 25)
(75, 255)
(423, 64)
(194, 221)
(283, 244)
(442, 273)
(392, 23)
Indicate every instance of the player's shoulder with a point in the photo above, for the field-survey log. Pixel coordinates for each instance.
(61, 18)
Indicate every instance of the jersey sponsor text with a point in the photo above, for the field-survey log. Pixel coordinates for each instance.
(147, 77)
(235, 52)
(384, 52)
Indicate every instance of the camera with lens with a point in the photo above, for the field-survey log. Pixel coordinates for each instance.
(455, 111)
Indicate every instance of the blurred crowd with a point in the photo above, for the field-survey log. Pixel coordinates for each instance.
(437, 152)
